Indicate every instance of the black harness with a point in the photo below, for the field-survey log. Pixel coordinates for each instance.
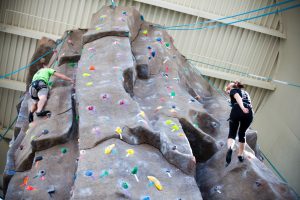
(36, 85)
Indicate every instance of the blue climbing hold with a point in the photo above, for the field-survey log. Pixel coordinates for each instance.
(148, 47)
(158, 39)
(146, 198)
(89, 173)
(153, 54)
(142, 17)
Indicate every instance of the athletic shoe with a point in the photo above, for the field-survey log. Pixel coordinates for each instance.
(42, 113)
(228, 156)
(30, 117)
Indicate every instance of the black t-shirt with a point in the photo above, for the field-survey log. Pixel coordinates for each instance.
(243, 94)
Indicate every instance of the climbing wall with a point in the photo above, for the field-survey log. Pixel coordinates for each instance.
(131, 127)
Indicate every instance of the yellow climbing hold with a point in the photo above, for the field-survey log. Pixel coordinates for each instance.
(89, 84)
(119, 131)
(156, 182)
(181, 134)
(109, 148)
(98, 28)
(86, 74)
(169, 122)
(145, 32)
(142, 113)
(175, 127)
(129, 152)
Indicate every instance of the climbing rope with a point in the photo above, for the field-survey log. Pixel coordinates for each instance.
(234, 22)
(2, 135)
(232, 16)
(35, 61)
(62, 43)
(197, 70)
(248, 74)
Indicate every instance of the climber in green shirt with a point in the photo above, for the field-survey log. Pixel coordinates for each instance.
(39, 89)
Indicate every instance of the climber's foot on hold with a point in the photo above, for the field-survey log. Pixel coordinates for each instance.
(228, 156)
(241, 158)
(30, 117)
(43, 113)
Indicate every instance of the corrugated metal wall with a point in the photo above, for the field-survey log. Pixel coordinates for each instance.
(229, 46)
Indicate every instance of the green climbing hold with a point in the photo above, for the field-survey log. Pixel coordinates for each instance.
(77, 118)
(167, 44)
(50, 83)
(104, 173)
(125, 185)
(63, 150)
(173, 93)
(134, 170)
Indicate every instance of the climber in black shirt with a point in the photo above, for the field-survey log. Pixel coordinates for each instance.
(241, 116)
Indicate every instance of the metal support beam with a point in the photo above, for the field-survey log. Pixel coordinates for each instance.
(230, 77)
(14, 85)
(207, 15)
(26, 32)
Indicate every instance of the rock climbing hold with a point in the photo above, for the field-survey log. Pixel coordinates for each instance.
(38, 158)
(146, 198)
(124, 13)
(90, 108)
(174, 147)
(158, 39)
(109, 148)
(51, 190)
(70, 41)
(98, 28)
(169, 122)
(214, 124)
(129, 152)
(175, 127)
(149, 47)
(134, 172)
(21, 147)
(30, 188)
(89, 84)
(167, 44)
(156, 182)
(173, 93)
(89, 173)
(125, 185)
(104, 174)
(257, 183)
(142, 17)
(92, 68)
(45, 131)
(173, 106)
(86, 74)
(181, 134)
(121, 102)
(145, 32)
(153, 53)
(82, 152)
(63, 150)
(169, 173)
(41, 173)
(119, 131)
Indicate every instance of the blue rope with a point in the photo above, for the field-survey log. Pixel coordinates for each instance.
(232, 16)
(249, 75)
(237, 21)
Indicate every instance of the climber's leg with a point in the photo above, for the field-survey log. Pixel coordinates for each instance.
(32, 110)
(245, 123)
(43, 96)
(233, 126)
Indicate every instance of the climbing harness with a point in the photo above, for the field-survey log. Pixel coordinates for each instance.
(37, 85)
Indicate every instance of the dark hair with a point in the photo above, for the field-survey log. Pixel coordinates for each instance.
(238, 84)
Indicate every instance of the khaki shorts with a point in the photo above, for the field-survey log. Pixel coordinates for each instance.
(42, 92)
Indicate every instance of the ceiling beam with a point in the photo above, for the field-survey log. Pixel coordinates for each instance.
(230, 77)
(26, 32)
(211, 16)
(14, 85)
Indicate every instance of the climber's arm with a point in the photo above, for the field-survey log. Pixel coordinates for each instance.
(62, 76)
(240, 102)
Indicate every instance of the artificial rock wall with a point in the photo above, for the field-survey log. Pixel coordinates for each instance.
(130, 128)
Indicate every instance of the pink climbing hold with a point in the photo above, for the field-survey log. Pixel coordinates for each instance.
(90, 107)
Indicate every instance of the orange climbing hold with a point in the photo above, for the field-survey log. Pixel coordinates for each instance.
(92, 67)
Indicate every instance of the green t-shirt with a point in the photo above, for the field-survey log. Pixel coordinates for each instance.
(43, 74)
